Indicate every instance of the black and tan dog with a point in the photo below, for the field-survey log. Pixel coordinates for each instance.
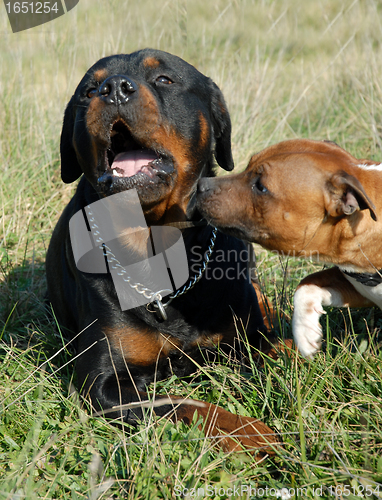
(150, 121)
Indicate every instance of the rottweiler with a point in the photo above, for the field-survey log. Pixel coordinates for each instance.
(150, 122)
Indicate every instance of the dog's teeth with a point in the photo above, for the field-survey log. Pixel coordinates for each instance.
(117, 174)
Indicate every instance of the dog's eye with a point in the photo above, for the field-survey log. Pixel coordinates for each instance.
(258, 186)
(164, 79)
(91, 93)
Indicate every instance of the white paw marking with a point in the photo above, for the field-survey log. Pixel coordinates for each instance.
(307, 330)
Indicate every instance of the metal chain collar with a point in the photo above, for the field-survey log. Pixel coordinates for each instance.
(155, 298)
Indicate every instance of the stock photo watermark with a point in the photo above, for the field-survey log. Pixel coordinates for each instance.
(24, 15)
(244, 490)
(100, 235)
(250, 492)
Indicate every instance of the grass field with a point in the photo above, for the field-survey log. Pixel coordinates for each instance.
(287, 69)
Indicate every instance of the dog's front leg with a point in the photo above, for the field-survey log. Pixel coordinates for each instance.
(325, 288)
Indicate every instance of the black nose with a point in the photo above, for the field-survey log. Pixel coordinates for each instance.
(117, 89)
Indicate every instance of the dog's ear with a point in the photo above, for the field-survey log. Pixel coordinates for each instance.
(345, 195)
(221, 123)
(70, 168)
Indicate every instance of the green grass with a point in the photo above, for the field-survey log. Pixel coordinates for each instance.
(287, 69)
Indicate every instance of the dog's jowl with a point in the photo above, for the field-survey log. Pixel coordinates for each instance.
(151, 124)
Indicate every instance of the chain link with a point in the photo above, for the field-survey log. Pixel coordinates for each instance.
(203, 267)
(155, 298)
(115, 264)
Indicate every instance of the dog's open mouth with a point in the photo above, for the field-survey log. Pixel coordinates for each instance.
(127, 160)
(132, 162)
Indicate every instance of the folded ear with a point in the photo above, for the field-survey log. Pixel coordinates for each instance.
(221, 123)
(70, 168)
(345, 195)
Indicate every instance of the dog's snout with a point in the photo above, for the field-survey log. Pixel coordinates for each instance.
(117, 89)
(206, 184)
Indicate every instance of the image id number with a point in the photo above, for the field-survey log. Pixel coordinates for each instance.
(360, 490)
(31, 7)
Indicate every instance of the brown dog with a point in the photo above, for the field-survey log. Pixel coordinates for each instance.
(305, 198)
(148, 123)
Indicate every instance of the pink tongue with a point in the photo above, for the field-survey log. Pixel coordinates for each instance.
(131, 162)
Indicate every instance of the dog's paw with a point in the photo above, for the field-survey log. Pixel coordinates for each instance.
(307, 331)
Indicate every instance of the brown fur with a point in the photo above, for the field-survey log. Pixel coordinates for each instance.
(307, 198)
